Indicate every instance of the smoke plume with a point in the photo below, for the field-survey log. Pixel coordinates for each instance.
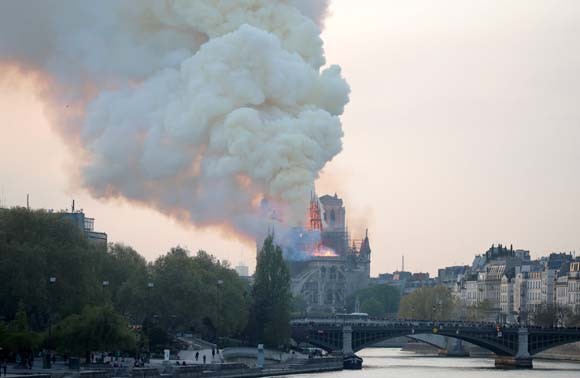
(199, 109)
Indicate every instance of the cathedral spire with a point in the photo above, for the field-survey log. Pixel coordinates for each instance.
(365, 248)
(315, 218)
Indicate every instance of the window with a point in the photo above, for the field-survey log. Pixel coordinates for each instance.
(329, 296)
(89, 224)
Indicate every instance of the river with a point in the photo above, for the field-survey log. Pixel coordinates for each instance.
(383, 362)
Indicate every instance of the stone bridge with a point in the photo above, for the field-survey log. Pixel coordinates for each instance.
(447, 346)
(513, 346)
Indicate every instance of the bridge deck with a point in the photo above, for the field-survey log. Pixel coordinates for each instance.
(504, 340)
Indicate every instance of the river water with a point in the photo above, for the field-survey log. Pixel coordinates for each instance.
(387, 362)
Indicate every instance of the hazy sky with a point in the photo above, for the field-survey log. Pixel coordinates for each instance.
(463, 130)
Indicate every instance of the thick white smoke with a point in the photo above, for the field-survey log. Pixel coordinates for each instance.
(197, 108)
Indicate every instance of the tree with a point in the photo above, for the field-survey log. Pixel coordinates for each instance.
(382, 299)
(550, 315)
(571, 319)
(126, 272)
(97, 328)
(197, 293)
(428, 303)
(270, 313)
(17, 337)
(479, 311)
(373, 307)
(37, 245)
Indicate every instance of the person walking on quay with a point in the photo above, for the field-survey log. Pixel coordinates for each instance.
(212, 354)
(204, 359)
(4, 367)
(196, 356)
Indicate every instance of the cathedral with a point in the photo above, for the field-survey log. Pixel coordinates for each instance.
(333, 267)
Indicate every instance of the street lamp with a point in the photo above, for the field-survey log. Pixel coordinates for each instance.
(150, 286)
(51, 282)
(412, 312)
(173, 319)
(104, 285)
(218, 286)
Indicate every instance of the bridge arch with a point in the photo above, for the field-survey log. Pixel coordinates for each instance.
(502, 350)
(542, 340)
(504, 342)
(426, 341)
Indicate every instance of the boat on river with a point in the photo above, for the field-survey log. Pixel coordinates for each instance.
(352, 362)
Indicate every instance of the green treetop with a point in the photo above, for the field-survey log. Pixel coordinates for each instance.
(270, 314)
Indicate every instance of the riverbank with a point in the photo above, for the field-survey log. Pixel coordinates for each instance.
(221, 370)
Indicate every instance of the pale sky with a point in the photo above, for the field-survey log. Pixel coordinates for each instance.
(463, 130)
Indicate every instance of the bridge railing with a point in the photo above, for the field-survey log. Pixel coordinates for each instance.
(338, 323)
(388, 323)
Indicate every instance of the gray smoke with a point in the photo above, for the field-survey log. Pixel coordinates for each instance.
(199, 109)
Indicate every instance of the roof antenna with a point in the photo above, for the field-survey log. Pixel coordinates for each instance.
(27, 201)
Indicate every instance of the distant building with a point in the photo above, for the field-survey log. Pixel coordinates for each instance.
(334, 235)
(507, 297)
(405, 282)
(86, 225)
(448, 276)
(401, 276)
(556, 260)
(333, 269)
(383, 278)
(513, 286)
(416, 281)
(469, 293)
(500, 255)
(242, 270)
(574, 287)
(420, 276)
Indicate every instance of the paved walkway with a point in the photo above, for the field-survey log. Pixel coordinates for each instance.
(185, 355)
(189, 357)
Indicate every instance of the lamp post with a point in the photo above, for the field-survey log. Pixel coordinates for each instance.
(51, 282)
(104, 284)
(412, 312)
(217, 322)
(219, 285)
(150, 286)
(173, 318)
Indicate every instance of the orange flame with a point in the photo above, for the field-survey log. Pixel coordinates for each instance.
(323, 251)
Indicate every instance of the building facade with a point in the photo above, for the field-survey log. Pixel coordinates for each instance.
(337, 267)
(511, 287)
(87, 226)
